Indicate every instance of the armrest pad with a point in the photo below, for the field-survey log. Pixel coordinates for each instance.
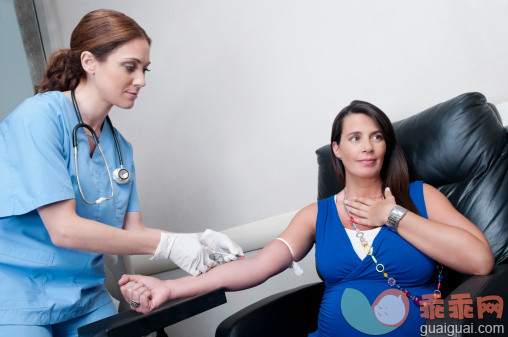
(493, 284)
(134, 324)
(290, 313)
(476, 286)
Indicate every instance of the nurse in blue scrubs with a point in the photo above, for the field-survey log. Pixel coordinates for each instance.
(56, 219)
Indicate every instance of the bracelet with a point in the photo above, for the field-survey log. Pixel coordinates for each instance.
(394, 217)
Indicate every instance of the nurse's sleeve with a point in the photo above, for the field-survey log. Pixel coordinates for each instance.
(33, 158)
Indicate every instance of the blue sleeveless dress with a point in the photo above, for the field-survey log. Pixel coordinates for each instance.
(351, 282)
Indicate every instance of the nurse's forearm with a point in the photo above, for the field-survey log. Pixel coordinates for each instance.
(93, 236)
(68, 230)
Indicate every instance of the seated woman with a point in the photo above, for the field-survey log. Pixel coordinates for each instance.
(358, 256)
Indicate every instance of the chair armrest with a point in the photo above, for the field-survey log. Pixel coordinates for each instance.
(133, 324)
(290, 313)
(476, 286)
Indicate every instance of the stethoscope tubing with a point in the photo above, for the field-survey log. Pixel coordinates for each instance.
(117, 177)
(101, 199)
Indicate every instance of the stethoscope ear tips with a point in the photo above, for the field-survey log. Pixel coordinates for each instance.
(121, 175)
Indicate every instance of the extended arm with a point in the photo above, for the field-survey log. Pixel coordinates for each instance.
(237, 275)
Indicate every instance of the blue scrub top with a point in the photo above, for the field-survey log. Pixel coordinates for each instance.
(41, 283)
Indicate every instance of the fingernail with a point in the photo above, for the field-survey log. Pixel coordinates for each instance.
(387, 188)
(354, 198)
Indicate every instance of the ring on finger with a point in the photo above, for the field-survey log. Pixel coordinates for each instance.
(134, 304)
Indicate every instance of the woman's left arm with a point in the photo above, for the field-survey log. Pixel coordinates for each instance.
(447, 236)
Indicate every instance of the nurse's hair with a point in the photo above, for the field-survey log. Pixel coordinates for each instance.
(395, 172)
(99, 32)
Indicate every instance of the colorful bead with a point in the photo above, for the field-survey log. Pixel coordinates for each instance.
(407, 293)
(416, 300)
(439, 277)
(373, 259)
(368, 250)
(391, 281)
(385, 275)
(380, 268)
(365, 244)
(351, 219)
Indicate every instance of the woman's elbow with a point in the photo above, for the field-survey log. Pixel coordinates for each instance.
(484, 264)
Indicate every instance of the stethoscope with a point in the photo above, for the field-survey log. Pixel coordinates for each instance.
(121, 175)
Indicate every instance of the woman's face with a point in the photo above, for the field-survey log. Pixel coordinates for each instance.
(362, 146)
(122, 75)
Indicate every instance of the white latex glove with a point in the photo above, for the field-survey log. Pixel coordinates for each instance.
(185, 251)
(222, 244)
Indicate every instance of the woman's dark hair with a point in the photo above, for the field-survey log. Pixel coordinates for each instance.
(99, 32)
(394, 173)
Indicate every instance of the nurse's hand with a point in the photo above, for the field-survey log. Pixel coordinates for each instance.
(150, 292)
(222, 244)
(185, 251)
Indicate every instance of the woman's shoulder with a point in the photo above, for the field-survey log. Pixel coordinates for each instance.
(421, 188)
(308, 214)
(431, 193)
(434, 198)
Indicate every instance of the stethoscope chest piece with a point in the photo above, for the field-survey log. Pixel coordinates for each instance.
(121, 175)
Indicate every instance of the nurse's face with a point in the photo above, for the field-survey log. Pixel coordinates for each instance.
(122, 75)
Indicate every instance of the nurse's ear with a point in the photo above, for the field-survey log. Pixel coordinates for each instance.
(88, 62)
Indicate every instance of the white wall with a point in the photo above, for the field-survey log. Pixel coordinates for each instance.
(241, 93)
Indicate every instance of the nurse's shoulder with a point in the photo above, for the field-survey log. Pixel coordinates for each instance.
(42, 113)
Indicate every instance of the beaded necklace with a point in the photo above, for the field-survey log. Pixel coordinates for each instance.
(380, 268)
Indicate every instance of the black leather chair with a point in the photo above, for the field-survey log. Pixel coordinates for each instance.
(459, 146)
